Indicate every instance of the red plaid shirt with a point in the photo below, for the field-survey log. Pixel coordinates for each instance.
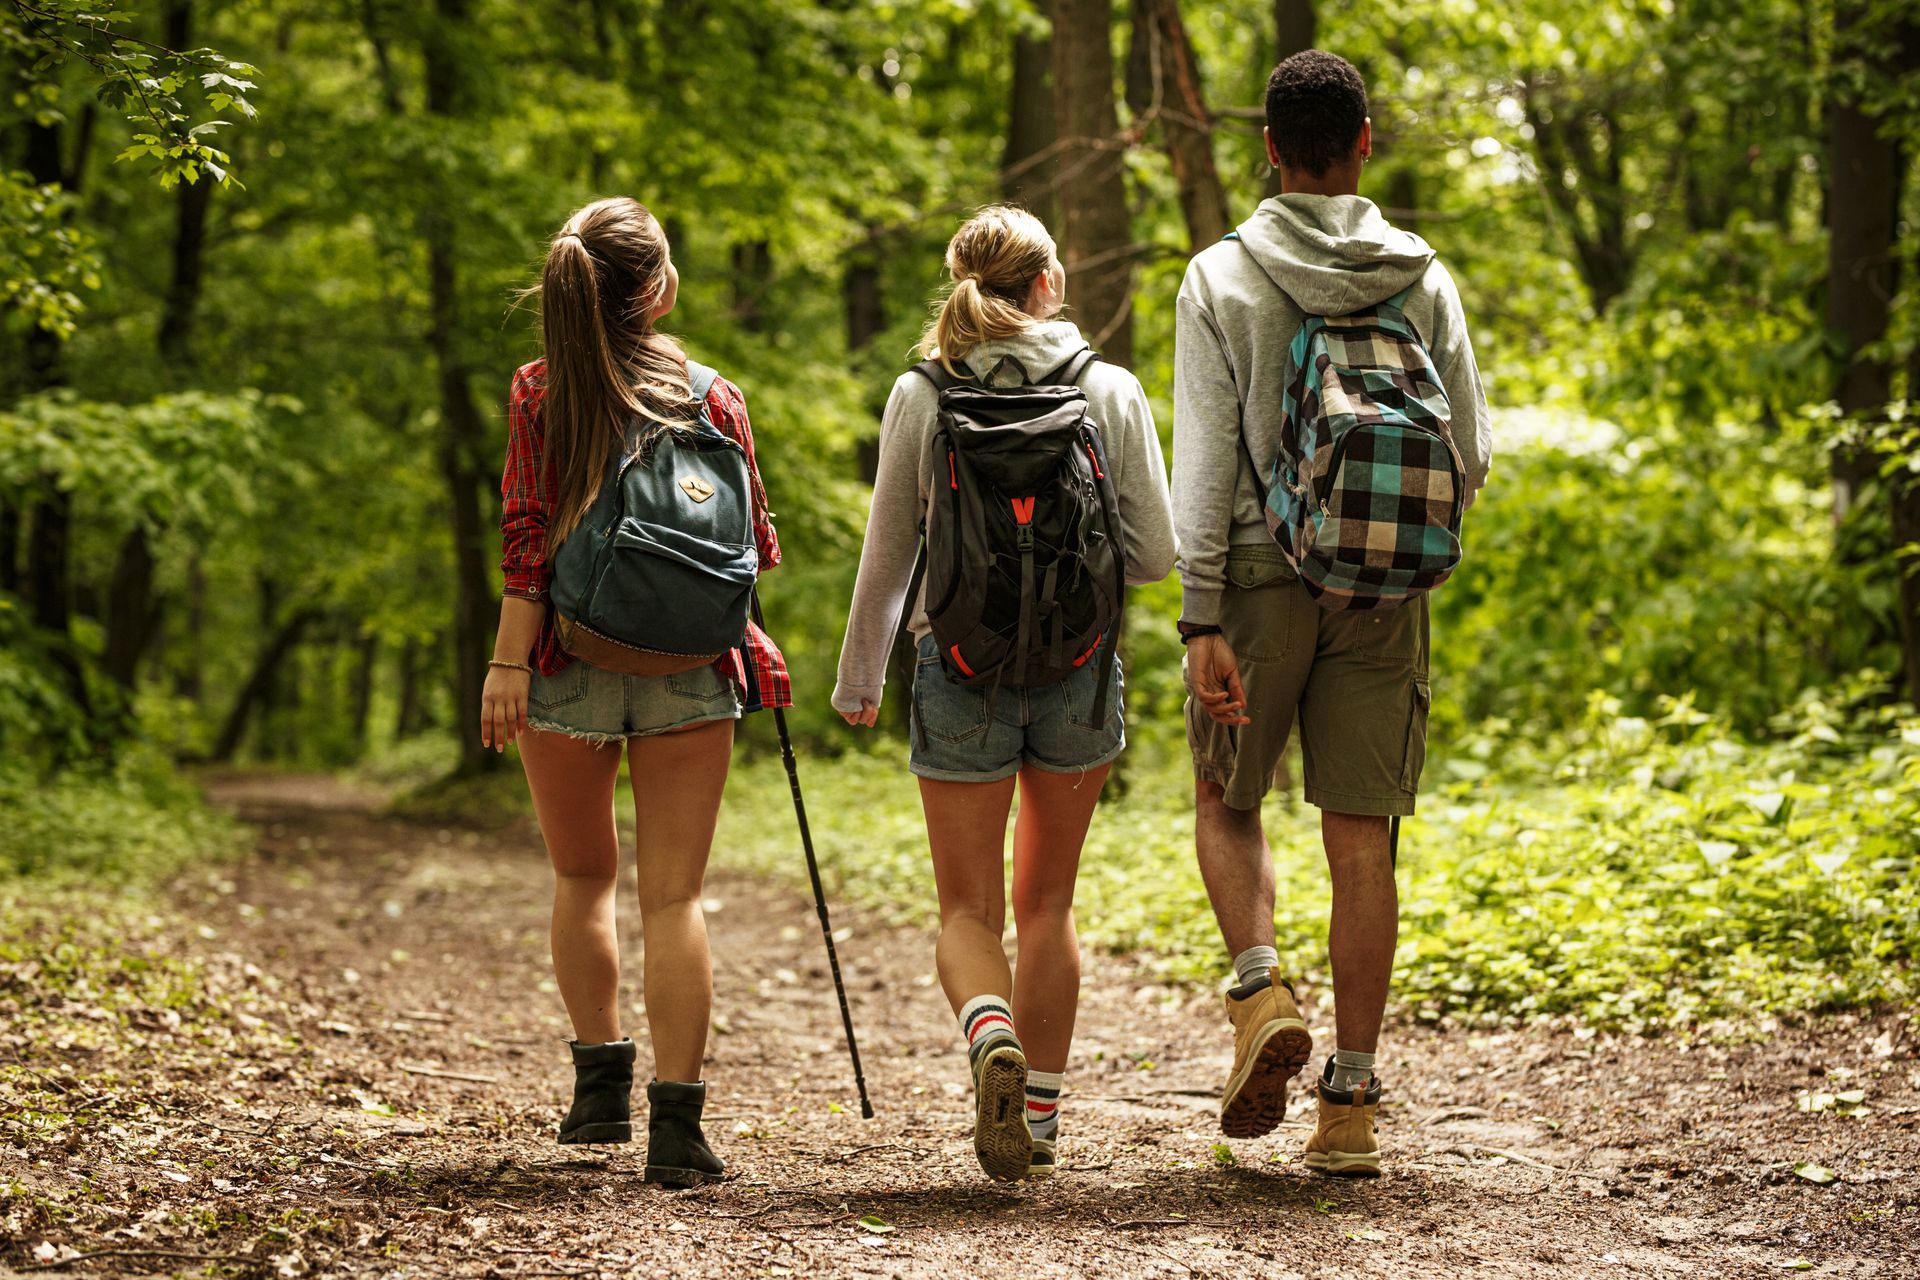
(526, 493)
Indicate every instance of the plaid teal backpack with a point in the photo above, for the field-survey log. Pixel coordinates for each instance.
(1366, 494)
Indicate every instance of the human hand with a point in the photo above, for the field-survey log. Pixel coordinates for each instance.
(865, 717)
(1213, 677)
(503, 706)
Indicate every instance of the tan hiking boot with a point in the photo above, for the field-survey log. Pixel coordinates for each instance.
(1344, 1141)
(1270, 1046)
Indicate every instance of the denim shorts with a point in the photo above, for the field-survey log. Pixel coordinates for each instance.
(957, 737)
(592, 703)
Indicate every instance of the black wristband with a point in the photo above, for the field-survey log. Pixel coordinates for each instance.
(1189, 631)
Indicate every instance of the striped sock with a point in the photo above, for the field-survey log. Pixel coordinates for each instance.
(1043, 1104)
(986, 1021)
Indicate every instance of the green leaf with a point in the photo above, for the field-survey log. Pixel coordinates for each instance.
(1817, 1174)
(876, 1224)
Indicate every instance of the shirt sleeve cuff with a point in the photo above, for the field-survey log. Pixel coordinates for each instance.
(848, 698)
(1201, 605)
(525, 589)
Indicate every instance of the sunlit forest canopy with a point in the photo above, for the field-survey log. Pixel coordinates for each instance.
(262, 264)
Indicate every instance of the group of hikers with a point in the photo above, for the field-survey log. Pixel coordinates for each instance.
(1329, 431)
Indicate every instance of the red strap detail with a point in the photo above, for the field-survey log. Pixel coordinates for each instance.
(1081, 661)
(1022, 510)
(953, 477)
(960, 662)
(1095, 460)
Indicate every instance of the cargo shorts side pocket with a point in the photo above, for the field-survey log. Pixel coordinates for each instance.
(1415, 758)
(1260, 611)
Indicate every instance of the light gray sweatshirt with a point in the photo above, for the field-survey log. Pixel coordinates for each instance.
(1239, 309)
(903, 491)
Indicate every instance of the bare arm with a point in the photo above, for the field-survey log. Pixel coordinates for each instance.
(503, 700)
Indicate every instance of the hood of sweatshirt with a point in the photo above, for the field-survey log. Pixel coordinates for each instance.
(1333, 254)
(1039, 351)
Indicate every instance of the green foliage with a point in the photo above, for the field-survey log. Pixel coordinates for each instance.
(45, 263)
(190, 461)
(151, 83)
(1633, 872)
(132, 824)
(1647, 561)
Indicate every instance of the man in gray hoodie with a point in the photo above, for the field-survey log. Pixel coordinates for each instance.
(1261, 654)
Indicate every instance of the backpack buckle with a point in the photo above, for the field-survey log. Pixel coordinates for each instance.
(1025, 538)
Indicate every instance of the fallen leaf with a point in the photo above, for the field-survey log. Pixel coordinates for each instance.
(1820, 1175)
(875, 1224)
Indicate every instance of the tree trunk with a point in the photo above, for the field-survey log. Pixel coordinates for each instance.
(255, 693)
(130, 608)
(752, 280)
(1861, 266)
(1295, 28)
(463, 430)
(1174, 91)
(191, 201)
(9, 548)
(407, 719)
(366, 655)
(50, 520)
(192, 679)
(1906, 533)
(1028, 166)
(866, 299)
(1095, 222)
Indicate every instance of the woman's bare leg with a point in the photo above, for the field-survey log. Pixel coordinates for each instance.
(572, 784)
(1055, 810)
(678, 779)
(967, 832)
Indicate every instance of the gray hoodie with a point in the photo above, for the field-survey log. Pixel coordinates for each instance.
(904, 486)
(1239, 308)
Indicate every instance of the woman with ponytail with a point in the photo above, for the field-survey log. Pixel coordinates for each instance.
(608, 280)
(973, 744)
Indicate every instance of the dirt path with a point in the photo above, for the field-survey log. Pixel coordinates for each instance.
(385, 1105)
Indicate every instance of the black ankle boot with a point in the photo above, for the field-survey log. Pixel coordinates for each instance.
(677, 1152)
(602, 1093)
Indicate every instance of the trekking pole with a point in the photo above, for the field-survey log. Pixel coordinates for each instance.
(819, 893)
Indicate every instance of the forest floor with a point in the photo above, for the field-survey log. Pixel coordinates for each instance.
(363, 1072)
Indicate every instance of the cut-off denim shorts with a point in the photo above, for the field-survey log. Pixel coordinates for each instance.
(596, 705)
(957, 737)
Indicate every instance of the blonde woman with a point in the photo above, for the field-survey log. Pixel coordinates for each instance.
(609, 279)
(979, 734)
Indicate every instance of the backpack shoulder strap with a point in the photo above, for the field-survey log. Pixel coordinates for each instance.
(1069, 374)
(700, 380)
(936, 373)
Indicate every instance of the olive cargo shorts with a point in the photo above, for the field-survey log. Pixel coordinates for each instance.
(1356, 680)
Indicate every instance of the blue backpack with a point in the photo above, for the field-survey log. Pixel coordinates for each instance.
(657, 576)
(1366, 493)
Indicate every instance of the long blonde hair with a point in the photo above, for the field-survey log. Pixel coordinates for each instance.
(993, 259)
(606, 272)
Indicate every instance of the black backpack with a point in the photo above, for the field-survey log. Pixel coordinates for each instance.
(1025, 568)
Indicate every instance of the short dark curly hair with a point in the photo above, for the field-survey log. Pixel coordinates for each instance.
(1316, 103)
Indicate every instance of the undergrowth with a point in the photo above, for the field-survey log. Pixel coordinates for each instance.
(133, 824)
(1635, 872)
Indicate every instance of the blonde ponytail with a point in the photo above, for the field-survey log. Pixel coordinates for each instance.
(993, 260)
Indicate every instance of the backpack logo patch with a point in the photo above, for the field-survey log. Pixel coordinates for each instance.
(696, 488)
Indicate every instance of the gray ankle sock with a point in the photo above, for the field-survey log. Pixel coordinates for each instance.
(1349, 1070)
(1254, 963)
